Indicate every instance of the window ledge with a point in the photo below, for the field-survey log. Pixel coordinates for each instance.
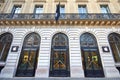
(81, 0)
(103, 0)
(60, 0)
(39, 0)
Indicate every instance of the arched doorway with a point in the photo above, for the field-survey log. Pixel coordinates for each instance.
(114, 41)
(29, 56)
(90, 56)
(59, 62)
(5, 43)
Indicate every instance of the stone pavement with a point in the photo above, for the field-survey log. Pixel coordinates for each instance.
(56, 78)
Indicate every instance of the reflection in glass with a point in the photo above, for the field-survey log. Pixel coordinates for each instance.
(114, 40)
(28, 58)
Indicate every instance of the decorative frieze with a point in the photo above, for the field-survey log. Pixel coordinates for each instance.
(61, 22)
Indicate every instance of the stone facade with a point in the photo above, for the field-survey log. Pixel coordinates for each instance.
(73, 32)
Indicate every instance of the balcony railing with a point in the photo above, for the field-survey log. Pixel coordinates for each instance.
(49, 16)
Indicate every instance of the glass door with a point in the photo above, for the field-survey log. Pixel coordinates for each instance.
(27, 64)
(59, 67)
(92, 63)
(59, 61)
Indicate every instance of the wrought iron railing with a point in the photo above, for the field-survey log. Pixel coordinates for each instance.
(51, 16)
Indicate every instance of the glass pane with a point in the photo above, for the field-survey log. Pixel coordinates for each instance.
(16, 9)
(62, 60)
(115, 51)
(88, 60)
(82, 9)
(59, 65)
(29, 56)
(5, 53)
(59, 60)
(56, 60)
(5, 43)
(114, 40)
(90, 56)
(104, 9)
(31, 60)
(1, 47)
(39, 9)
(24, 61)
(62, 9)
(95, 61)
(88, 40)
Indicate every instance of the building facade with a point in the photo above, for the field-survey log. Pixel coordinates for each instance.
(84, 42)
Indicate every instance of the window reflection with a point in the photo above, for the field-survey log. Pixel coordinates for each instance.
(28, 59)
(59, 63)
(90, 56)
(114, 40)
(5, 43)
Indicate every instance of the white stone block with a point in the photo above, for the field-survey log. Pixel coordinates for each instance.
(77, 72)
(42, 72)
(111, 72)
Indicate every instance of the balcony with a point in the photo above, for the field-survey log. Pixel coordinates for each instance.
(49, 18)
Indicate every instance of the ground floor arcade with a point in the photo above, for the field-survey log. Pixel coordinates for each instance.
(34, 51)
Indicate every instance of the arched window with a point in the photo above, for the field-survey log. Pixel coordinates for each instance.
(29, 56)
(5, 43)
(90, 56)
(114, 40)
(59, 62)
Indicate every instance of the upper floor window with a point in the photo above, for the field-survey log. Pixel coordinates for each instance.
(16, 9)
(62, 9)
(38, 9)
(82, 9)
(104, 9)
